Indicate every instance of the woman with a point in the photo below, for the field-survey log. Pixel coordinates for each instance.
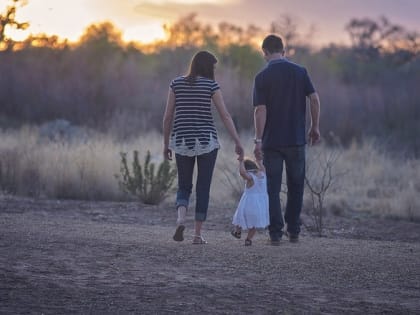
(189, 131)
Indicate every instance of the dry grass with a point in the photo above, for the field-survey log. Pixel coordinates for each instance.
(32, 165)
(365, 179)
(379, 184)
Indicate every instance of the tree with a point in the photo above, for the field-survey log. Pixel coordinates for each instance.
(188, 33)
(287, 27)
(102, 34)
(8, 20)
(44, 41)
(372, 39)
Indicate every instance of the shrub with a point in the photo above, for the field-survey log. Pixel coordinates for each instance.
(142, 182)
(9, 171)
(318, 179)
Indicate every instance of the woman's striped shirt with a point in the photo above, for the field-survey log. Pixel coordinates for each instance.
(193, 132)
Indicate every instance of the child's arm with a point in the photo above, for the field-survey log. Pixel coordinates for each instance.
(242, 171)
(261, 165)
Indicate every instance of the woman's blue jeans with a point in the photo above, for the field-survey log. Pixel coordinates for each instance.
(294, 160)
(205, 166)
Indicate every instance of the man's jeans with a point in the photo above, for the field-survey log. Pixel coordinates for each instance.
(205, 165)
(294, 160)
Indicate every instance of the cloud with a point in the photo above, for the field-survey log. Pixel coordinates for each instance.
(233, 11)
(172, 10)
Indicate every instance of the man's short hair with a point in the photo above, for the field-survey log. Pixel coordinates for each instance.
(273, 44)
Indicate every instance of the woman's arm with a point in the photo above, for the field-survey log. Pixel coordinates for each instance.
(227, 121)
(168, 119)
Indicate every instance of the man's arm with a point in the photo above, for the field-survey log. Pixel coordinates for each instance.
(315, 107)
(260, 117)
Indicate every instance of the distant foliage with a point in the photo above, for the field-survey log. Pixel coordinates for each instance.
(372, 39)
(143, 182)
(108, 85)
(8, 171)
(8, 19)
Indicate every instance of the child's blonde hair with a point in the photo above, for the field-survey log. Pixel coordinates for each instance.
(250, 164)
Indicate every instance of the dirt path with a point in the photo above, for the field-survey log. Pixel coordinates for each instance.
(110, 258)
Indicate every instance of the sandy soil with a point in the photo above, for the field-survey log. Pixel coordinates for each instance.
(72, 257)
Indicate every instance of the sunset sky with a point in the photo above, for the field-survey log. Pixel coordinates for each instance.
(142, 20)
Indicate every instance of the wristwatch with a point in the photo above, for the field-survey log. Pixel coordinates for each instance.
(257, 140)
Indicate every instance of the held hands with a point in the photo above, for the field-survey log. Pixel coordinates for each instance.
(258, 153)
(239, 150)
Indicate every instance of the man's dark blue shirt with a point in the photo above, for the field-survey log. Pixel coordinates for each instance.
(283, 87)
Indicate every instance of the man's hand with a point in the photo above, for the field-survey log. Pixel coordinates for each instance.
(258, 153)
(314, 136)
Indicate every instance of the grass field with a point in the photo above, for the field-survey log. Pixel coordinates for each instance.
(84, 167)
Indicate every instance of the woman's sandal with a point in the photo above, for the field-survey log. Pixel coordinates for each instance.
(198, 240)
(236, 233)
(248, 242)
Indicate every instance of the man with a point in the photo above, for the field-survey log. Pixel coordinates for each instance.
(280, 92)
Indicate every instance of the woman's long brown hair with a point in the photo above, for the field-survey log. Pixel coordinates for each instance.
(202, 64)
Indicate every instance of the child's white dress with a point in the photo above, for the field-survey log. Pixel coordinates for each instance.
(252, 209)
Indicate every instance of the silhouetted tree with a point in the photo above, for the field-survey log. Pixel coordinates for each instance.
(104, 83)
(372, 39)
(187, 32)
(8, 19)
(287, 28)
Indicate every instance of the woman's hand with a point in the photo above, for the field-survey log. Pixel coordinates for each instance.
(239, 151)
(167, 154)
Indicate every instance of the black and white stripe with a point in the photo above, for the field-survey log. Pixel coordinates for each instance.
(193, 131)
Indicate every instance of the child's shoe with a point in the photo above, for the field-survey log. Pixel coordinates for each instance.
(236, 233)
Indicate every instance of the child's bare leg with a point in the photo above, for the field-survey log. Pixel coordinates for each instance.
(251, 233)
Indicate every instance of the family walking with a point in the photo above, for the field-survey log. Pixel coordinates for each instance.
(279, 99)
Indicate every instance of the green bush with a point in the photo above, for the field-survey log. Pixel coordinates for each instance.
(142, 182)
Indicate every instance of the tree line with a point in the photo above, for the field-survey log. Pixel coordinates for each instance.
(369, 88)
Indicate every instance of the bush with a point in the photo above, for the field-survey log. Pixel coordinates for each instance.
(318, 179)
(142, 182)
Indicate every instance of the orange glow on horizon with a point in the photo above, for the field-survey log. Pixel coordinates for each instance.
(54, 19)
(142, 20)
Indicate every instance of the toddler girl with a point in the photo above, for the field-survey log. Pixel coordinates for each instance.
(252, 211)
